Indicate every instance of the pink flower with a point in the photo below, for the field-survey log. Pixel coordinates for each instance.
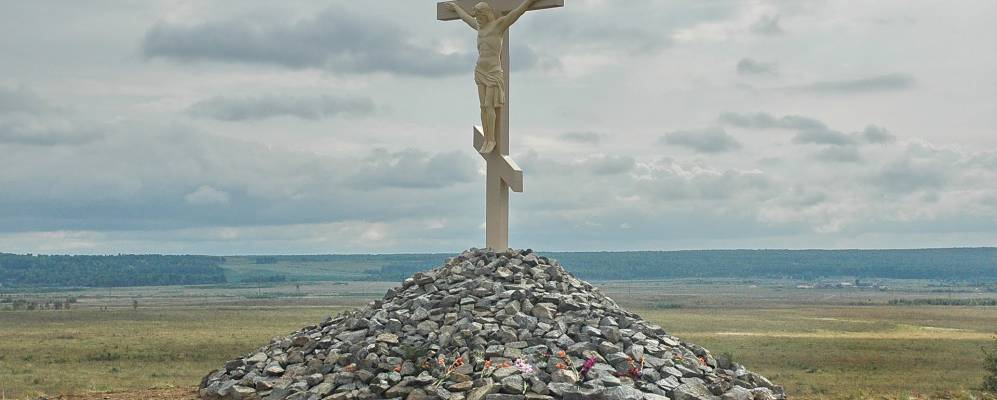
(524, 366)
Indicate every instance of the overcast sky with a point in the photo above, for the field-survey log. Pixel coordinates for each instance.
(234, 127)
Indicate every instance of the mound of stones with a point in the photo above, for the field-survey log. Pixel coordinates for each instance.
(486, 326)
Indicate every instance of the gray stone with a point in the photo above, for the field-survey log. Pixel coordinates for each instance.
(256, 358)
(738, 393)
(564, 376)
(513, 384)
(236, 364)
(693, 391)
(611, 333)
(483, 304)
(504, 372)
(502, 396)
(479, 393)
(420, 314)
(323, 388)
(274, 368)
(621, 393)
(387, 338)
(543, 311)
(763, 394)
(571, 391)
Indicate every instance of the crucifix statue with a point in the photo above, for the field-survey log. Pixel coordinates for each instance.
(492, 19)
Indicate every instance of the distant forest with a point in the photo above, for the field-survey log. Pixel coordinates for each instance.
(963, 264)
(109, 271)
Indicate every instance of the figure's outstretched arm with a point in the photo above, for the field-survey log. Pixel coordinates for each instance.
(506, 21)
(471, 21)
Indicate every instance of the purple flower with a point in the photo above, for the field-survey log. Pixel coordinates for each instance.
(587, 366)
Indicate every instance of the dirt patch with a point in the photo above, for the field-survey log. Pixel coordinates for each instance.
(150, 394)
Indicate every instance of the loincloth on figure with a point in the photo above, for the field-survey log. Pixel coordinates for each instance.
(494, 83)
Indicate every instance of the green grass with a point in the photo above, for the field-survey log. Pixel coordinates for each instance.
(89, 350)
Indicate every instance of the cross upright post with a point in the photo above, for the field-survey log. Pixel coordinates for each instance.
(502, 173)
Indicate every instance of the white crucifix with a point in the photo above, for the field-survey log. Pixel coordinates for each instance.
(492, 19)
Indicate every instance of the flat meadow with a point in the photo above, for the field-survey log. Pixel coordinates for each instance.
(840, 344)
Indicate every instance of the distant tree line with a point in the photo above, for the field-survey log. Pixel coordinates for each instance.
(109, 271)
(396, 272)
(269, 278)
(944, 302)
(961, 264)
(965, 264)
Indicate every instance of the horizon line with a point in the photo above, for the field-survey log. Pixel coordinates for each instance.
(535, 251)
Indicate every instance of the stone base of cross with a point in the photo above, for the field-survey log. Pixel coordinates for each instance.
(502, 172)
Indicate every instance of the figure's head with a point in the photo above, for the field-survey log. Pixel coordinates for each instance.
(483, 12)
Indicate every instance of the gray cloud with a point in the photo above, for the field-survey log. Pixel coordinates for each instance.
(749, 66)
(263, 107)
(767, 121)
(823, 136)
(27, 119)
(767, 25)
(148, 178)
(610, 165)
(581, 137)
(21, 100)
(810, 131)
(876, 134)
(908, 175)
(710, 140)
(840, 154)
(332, 40)
(45, 132)
(670, 181)
(879, 83)
(413, 169)
(578, 169)
(595, 27)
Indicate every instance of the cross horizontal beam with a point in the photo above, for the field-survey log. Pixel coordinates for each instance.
(500, 6)
(504, 167)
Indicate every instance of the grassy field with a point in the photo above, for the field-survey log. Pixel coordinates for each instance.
(819, 345)
(847, 352)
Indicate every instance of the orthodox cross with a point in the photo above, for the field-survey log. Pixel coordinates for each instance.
(492, 18)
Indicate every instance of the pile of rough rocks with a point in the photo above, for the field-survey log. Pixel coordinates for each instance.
(486, 326)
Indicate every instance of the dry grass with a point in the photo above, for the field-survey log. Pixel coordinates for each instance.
(56, 352)
(848, 352)
(818, 351)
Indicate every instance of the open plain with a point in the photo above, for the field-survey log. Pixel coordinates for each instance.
(820, 343)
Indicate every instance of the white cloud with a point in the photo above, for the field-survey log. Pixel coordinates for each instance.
(207, 195)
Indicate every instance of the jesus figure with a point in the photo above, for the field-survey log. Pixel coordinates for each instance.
(488, 72)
